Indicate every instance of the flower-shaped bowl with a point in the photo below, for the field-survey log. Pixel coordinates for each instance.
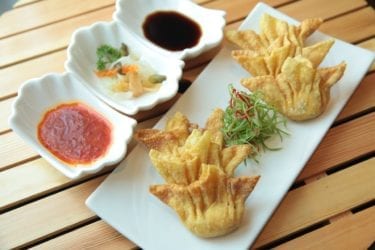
(82, 60)
(132, 14)
(37, 96)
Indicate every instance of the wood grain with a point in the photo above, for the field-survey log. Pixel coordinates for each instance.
(20, 3)
(363, 99)
(97, 235)
(320, 200)
(12, 77)
(352, 27)
(45, 12)
(5, 107)
(342, 144)
(48, 216)
(352, 232)
(307, 9)
(50, 38)
(14, 150)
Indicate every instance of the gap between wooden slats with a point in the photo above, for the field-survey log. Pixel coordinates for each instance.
(22, 3)
(89, 18)
(320, 200)
(50, 38)
(301, 207)
(327, 9)
(97, 235)
(355, 231)
(45, 12)
(342, 144)
(63, 30)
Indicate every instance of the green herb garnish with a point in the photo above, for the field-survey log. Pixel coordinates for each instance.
(249, 120)
(106, 55)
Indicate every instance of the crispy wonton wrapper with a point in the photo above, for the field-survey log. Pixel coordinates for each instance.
(300, 91)
(264, 54)
(211, 206)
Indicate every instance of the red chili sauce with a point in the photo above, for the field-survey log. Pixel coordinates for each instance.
(75, 133)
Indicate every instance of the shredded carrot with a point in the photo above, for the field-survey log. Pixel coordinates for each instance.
(106, 73)
(129, 68)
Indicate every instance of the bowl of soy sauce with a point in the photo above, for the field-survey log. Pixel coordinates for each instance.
(176, 28)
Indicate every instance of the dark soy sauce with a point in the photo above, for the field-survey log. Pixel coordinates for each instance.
(171, 30)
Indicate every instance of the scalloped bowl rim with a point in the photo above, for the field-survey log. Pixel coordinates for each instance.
(96, 104)
(154, 98)
(188, 53)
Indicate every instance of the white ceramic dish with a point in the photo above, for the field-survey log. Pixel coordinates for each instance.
(36, 96)
(82, 63)
(132, 13)
(124, 202)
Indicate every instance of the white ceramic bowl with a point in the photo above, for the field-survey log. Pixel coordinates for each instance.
(132, 13)
(82, 63)
(36, 96)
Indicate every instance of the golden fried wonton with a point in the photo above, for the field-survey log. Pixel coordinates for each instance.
(261, 65)
(264, 54)
(183, 165)
(211, 206)
(274, 33)
(300, 91)
(176, 131)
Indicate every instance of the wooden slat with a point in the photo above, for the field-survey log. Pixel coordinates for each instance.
(238, 9)
(45, 12)
(352, 27)
(20, 3)
(46, 217)
(46, 39)
(97, 235)
(5, 107)
(16, 184)
(370, 45)
(320, 8)
(342, 144)
(352, 232)
(319, 200)
(362, 99)
(12, 77)
(13, 150)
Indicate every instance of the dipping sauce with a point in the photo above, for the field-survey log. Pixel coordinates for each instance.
(75, 133)
(171, 30)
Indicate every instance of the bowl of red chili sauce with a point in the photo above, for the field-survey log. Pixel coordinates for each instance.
(68, 126)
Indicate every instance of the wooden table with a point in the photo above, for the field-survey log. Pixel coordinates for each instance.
(330, 205)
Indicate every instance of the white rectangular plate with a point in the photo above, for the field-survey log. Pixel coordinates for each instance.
(124, 202)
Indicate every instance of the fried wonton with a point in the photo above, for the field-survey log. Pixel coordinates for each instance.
(183, 165)
(264, 54)
(270, 64)
(274, 33)
(179, 151)
(300, 91)
(175, 133)
(211, 206)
